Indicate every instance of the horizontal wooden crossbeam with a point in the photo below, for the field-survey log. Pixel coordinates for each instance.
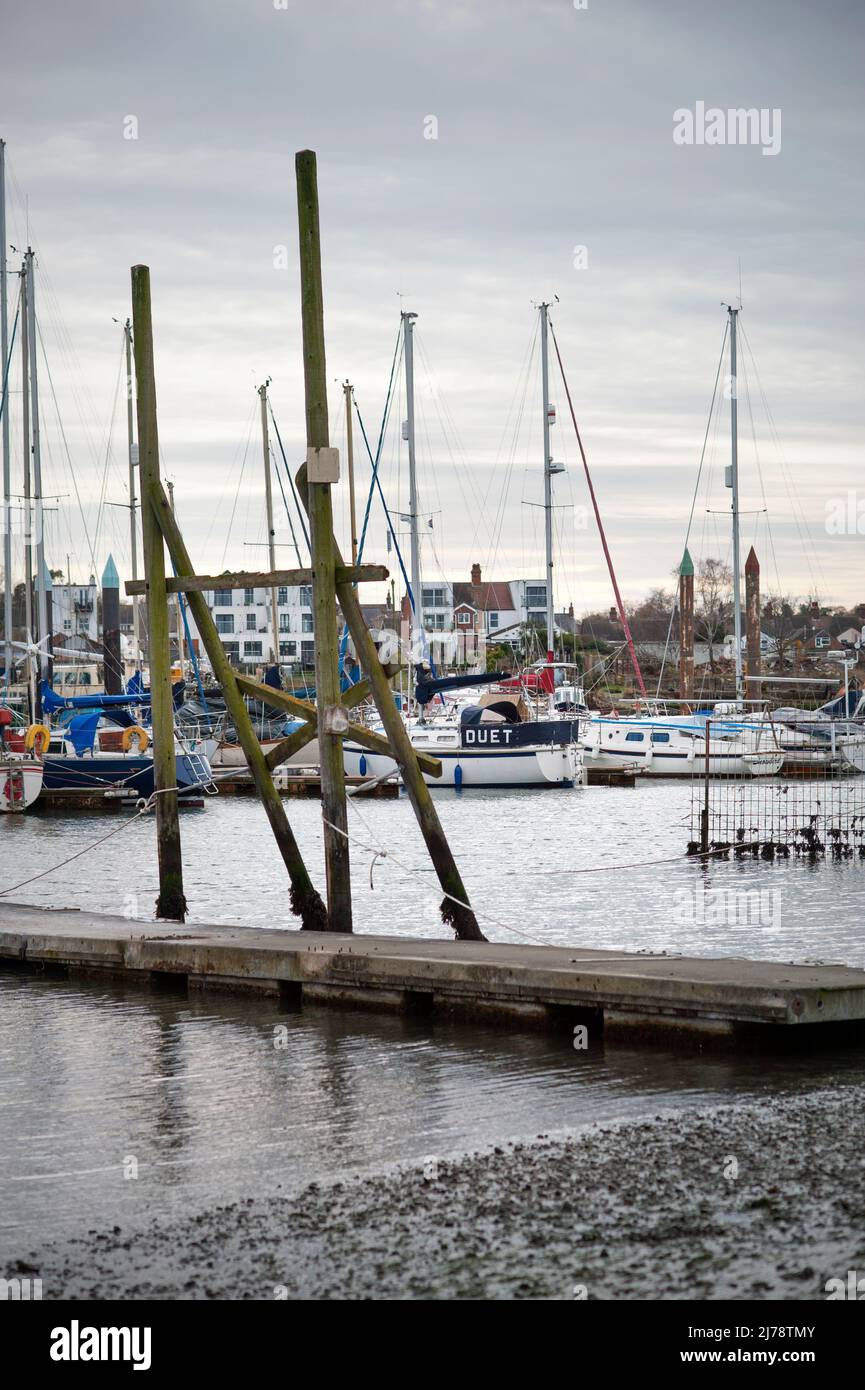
(304, 709)
(267, 579)
(287, 747)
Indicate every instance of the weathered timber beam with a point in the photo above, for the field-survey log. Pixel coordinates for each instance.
(305, 901)
(260, 579)
(171, 902)
(287, 747)
(455, 907)
(303, 709)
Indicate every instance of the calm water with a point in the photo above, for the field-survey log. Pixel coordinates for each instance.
(195, 1092)
(523, 855)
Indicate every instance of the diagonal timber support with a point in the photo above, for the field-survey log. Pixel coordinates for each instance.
(305, 709)
(287, 747)
(305, 900)
(455, 909)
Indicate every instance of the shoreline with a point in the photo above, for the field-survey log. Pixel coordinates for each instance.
(739, 1201)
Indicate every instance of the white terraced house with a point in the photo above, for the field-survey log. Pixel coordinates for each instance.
(244, 622)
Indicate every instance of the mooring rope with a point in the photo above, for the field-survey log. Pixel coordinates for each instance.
(143, 808)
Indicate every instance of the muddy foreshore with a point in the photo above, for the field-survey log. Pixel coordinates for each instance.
(742, 1201)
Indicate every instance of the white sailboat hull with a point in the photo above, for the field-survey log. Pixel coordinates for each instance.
(464, 767)
(20, 784)
(231, 755)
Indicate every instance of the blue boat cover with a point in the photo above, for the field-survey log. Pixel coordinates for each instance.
(82, 731)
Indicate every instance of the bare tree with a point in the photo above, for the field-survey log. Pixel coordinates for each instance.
(784, 626)
(714, 585)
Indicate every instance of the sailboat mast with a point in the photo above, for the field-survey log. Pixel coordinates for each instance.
(7, 461)
(28, 516)
(734, 485)
(271, 542)
(133, 500)
(548, 483)
(417, 616)
(41, 595)
(349, 442)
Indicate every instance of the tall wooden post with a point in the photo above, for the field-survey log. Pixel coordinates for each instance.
(752, 624)
(686, 627)
(171, 902)
(322, 472)
(455, 907)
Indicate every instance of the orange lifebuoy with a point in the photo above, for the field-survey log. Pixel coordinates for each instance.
(135, 732)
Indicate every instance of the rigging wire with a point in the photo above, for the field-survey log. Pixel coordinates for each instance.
(72, 473)
(300, 511)
(810, 550)
(621, 607)
(695, 495)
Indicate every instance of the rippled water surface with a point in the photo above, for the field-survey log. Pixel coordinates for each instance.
(101, 1080)
(525, 858)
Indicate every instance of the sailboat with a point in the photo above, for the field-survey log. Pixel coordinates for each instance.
(723, 742)
(97, 745)
(491, 739)
(20, 772)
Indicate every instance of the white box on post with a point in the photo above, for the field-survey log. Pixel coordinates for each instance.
(322, 465)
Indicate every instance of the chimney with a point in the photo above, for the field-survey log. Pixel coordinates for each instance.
(476, 574)
(570, 610)
(614, 615)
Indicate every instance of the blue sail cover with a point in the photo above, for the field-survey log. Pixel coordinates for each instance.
(845, 706)
(52, 702)
(135, 685)
(82, 731)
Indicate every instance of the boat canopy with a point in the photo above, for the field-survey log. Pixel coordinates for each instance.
(847, 705)
(52, 702)
(82, 731)
(428, 685)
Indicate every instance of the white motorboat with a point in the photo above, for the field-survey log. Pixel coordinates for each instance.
(675, 746)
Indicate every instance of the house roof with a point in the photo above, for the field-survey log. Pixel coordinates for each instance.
(489, 595)
(377, 615)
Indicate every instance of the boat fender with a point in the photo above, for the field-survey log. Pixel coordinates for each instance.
(40, 732)
(362, 765)
(458, 776)
(135, 732)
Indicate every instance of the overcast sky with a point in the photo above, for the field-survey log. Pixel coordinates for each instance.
(554, 132)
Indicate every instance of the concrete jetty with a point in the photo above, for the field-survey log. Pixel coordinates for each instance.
(548, 986)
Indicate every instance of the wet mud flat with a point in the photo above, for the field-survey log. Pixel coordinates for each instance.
(742, 1201)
